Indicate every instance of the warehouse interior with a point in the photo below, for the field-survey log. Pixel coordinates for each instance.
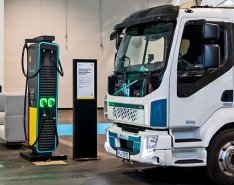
(80, 31)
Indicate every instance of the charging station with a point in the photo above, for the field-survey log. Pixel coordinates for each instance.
(41, 98)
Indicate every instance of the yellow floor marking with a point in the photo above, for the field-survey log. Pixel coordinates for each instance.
(43, 163)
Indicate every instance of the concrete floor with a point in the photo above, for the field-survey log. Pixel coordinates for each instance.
(107, 171)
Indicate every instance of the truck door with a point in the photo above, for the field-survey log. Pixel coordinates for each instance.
(198, 89)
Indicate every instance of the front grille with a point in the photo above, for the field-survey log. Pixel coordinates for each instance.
(47, 137)
(48, 81)
(127, 114)
(132, 129)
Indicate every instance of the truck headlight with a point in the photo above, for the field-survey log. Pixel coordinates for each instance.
(105, 108)
(151, 142)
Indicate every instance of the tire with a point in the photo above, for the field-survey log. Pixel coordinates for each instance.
(220, 168)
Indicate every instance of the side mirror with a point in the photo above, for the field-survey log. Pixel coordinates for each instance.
(212, 56)
(118, 41)
(210, 31)
(113, 35)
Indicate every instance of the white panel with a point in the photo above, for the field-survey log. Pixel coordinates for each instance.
(12, 57)
(84, 4)
(53, 12)
(129, 5)
(19, 35)
(153, 3)
(101, 91)
(83, 9)
(2, 43)
(89, 25)
(66, 81)
(65, 97)
(21, 22)
(53, 3)
(14, 81)
(11, 69)
(108, 59)
(15, 89)
(14, 3)
(22, 8)
(53, 27)
(83, 50)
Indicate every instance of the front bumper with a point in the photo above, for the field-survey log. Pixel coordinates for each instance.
(138, 149)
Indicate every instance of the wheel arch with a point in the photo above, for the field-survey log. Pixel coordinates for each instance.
(221, 120)
(224, 127)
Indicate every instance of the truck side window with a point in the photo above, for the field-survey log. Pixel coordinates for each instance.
(190, 49)
(192, 71)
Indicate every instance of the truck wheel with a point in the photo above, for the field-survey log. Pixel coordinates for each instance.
(220, 158)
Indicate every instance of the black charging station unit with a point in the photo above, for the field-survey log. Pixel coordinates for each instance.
(85, 109)
(41, 98)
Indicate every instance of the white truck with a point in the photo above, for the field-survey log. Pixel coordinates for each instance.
(171, 94)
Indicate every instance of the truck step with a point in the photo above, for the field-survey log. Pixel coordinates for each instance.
(189, 161)
(187, 140)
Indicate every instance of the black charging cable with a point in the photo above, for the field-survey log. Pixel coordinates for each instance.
(25, 47)
(22, 64)
(60, 71)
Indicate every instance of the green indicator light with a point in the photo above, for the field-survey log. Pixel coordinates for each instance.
(51, 102)
(43, 102)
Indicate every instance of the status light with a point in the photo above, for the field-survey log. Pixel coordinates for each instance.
(43, 102)
(51, 102)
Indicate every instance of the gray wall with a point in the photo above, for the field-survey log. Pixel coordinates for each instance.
(2, 42)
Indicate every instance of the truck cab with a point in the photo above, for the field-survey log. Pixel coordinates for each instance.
(170, 97)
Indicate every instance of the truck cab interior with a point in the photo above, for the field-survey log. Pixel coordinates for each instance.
(205, 54)
(201, 50)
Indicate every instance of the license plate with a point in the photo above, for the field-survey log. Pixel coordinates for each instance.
(123, 154)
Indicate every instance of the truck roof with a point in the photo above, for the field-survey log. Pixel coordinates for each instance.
(160, 13)
(171, 13)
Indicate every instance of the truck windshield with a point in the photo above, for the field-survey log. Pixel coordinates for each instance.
(144, 47)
